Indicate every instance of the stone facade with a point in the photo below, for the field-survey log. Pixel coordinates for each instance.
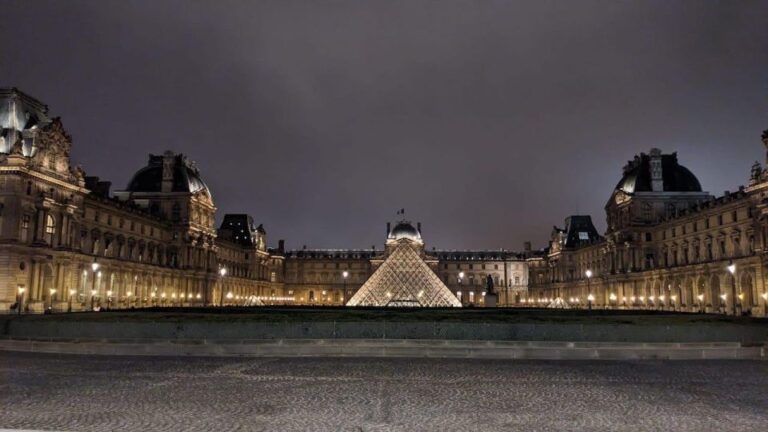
(668, 246)
(68, 243)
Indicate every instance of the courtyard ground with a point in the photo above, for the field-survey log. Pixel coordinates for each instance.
(55, 392)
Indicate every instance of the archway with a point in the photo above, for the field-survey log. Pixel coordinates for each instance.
(713, 294)
(746, 290)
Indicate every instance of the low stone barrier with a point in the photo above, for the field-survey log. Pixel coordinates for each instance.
(393, 348)
(747, 334)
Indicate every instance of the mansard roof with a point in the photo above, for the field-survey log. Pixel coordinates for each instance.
(676, 178)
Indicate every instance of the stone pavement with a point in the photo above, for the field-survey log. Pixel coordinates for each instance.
(63, 392)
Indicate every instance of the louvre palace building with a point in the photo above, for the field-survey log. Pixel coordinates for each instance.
(70, 243)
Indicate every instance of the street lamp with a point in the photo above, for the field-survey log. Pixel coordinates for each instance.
(109, 299)
(69, 306)
(222, 273)
(95, 267)
(51, 292)
(590, 297)
(20, 296)
(229, 296)
(732, 270)
(701, 302)
(345, 275)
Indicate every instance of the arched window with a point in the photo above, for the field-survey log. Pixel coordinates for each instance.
(50, 229)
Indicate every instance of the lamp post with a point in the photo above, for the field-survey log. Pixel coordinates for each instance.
(701, 302)
(51, 292)
(222, 273)
(590, 297)
(20, 297)
(95, 267)
(69, 306)
(345, 275)
(732, 270)
(109, 300)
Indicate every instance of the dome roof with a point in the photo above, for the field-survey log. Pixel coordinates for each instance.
(20, 111)
(676, 178)
(404, 230)
(185, 176)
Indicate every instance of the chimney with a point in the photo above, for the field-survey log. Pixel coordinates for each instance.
(281, 245)
(168, 162)
(527, 246)
(657, 174)
(388, 230)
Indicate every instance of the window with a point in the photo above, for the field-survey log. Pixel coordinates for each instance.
(719, 219)
(734, 216)
(647, 236)
(50, 229)
(517, 280)
(25, 227)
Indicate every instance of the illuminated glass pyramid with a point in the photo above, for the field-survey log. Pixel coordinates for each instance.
(402, 280)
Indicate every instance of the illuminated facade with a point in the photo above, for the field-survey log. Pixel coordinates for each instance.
(68, 243)
(668, 245)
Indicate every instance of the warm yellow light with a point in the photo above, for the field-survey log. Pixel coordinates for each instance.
(633, 298)
(624, 299)
(651, 298)
(764, 295)
(590, 297)
(612, 296)
(723, 296)
(95, 266)
(588, 274)
(700, 297)
(71, 292)
(741, 296)
(52, 291)
(109, 293)
(229, 295)
(162, 295)
(93, 292)
(21, 290)
(732, 268)
(128, 294)
(461, 275)
(198, 295)
(152, 295)
(661, 298)
(189, 295)
(223, 271)
(345, 274)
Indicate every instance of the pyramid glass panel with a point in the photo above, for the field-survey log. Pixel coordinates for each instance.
(403, 280)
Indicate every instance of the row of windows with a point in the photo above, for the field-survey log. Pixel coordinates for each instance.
(705, 224)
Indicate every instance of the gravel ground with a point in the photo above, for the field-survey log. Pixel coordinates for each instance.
(67, 393)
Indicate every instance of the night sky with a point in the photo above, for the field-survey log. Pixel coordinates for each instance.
(487, 121)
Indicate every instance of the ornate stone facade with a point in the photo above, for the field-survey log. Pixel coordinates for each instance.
(668, 245)
(68, 243)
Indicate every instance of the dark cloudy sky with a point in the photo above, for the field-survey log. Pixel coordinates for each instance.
(489, 121)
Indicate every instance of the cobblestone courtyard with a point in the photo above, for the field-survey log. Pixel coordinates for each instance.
(51, 392)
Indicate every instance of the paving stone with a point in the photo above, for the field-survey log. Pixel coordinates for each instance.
(85, 393)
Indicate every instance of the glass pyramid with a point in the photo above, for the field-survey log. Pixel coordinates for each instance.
(404, 279)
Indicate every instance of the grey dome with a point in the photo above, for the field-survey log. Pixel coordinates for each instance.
(676, 178)
(404, 230)
(186, 177)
